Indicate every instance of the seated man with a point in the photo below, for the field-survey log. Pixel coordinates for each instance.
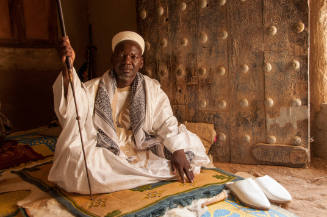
(130, 135)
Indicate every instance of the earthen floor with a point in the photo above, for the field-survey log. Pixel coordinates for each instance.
(308, 186)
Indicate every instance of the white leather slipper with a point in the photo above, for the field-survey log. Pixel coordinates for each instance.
(274, 191)
(249, 193)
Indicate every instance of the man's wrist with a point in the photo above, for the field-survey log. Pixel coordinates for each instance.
(179, 150)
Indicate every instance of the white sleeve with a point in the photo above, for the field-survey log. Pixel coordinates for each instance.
(166, 124)
(177, 137)
(65, 106)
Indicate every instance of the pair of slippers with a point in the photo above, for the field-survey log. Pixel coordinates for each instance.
(257, 192)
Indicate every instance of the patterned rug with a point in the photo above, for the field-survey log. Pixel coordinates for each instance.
(25, 146)
(148, 200)
(8, 201)
(232, 207)
(42, 144)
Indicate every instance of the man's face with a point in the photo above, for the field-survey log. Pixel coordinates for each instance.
(127, 60)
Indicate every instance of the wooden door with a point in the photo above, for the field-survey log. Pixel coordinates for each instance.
(239, 64)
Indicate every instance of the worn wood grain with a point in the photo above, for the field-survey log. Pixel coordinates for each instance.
(5, 30)
(240, 65)
(28, 23)
(279, 154)
(247, 80)
(287, 82)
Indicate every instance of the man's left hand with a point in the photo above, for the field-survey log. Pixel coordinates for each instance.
(181, 164)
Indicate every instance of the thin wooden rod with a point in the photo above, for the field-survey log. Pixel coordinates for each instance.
(70, 72)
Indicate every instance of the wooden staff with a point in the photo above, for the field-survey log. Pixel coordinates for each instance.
(70, 70)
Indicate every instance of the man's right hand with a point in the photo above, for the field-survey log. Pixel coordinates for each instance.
(66, 50)
(180, 164)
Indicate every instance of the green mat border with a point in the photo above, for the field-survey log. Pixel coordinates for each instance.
(156, 209)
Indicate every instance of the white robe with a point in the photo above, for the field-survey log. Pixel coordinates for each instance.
(107, 171)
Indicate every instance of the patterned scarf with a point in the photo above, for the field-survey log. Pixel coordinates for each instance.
(107, 135)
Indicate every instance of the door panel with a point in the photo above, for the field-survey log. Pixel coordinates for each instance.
(241, 65)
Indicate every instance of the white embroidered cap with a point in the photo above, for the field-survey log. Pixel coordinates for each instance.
(127, 35)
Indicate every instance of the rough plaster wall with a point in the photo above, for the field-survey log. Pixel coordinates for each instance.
(108, 18)
(318, 67)
(27, 74)
(320, 143)
(318, 53)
